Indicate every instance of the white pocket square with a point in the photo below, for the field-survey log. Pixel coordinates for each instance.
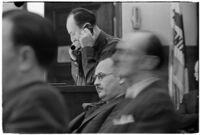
(124, 119)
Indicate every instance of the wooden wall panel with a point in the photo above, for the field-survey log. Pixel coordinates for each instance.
(75, 96)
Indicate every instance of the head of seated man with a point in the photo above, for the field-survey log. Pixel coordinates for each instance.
(30, 104)
(29, 47)
(108, 85)
(138, 56)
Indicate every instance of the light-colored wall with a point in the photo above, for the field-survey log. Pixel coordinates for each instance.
(155, 17)
(9, 6)
(36, 7)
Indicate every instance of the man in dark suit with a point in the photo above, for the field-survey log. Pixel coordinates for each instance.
(147, 107)
(189, 108)
(91, 43)
(30, 105)
(110, 89)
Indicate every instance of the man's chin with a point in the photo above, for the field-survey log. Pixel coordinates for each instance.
(101, 97)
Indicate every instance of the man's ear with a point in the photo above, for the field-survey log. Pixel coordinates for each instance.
(27, 58)
(89, 27)
(149, 62)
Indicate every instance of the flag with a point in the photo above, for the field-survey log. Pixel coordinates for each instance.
(178, 74)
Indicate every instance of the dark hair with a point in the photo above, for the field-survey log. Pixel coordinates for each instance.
(35, 31)
(82, 15)
(155, 48)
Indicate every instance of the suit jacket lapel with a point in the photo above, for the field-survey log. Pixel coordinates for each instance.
(75, 122)
(101, 109)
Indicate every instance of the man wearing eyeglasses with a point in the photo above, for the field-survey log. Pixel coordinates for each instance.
(111, 90)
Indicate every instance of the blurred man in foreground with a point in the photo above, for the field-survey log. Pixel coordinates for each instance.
(91, 45)
(30, 105)
(147, 107)
(111, 90)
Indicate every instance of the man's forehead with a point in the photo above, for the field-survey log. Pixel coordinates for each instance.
(104, 66)
(70, 19)
(70, 23)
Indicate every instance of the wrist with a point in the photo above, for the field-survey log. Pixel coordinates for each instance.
(74, 60)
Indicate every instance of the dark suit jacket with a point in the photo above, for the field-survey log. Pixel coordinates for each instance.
(88, 58)
(93, 121)
(34, 108)
(189, 111)
(151, 111)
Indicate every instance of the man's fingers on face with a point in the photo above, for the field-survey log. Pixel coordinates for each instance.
(76, 43)
(86, 32)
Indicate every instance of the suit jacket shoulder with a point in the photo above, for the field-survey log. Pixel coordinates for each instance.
(109, 46)
(189, 103)
(150, 112)
(188, 112)
(76, 122)
(93, 122)
(38, 109)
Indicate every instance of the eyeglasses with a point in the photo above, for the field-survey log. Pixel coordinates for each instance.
(101, 75)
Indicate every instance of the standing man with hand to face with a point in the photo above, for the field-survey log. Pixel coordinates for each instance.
(91, 45)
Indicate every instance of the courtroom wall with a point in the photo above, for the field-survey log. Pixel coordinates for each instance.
(156, 17)
(9, 6)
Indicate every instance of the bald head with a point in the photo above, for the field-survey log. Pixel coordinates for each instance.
(137, 52)
(138, 40)
(144, 42)
(105, 66)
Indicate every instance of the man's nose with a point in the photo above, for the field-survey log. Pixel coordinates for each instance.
(96, 82)
(73, 39)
